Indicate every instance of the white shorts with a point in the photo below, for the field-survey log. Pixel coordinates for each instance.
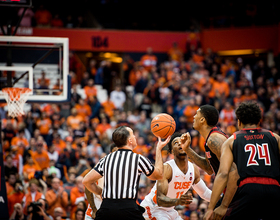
(154, 212)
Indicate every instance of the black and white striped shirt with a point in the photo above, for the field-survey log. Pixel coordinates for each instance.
(121, 170)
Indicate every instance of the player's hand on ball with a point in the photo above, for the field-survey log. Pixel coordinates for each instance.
(161, 143)
(185, 140)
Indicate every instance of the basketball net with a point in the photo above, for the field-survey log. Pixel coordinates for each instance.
(16, 98)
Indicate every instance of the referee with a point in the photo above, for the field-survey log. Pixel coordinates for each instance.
(121, 171)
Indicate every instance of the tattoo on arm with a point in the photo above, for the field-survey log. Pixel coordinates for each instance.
(215, 144)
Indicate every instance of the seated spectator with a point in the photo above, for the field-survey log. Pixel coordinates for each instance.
(108, 107)
(248, 95)
(83, 109)
(102, 127)
(41, 156)
(220, 88)
(56, 197)
(74, 119)
(90, 89)
(43, 78)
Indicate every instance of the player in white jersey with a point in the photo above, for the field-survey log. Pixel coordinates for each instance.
(179, 176)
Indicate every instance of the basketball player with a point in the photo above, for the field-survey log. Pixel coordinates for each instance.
(94, 201)
(178, 177)
(205, 122)
(256, 154)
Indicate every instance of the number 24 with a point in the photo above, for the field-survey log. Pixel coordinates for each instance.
(263, 153)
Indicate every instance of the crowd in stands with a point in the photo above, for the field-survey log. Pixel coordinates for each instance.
(48, 150)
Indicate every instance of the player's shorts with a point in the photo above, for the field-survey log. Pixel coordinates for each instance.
(255, 201)
(154, 212)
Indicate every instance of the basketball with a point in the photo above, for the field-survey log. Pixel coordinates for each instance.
(163, 125)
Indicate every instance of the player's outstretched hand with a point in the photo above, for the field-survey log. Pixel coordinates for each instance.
(185, 140)
(185, 199)
(161, 143)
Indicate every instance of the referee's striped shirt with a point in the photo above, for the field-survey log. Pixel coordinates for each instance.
(121, 170)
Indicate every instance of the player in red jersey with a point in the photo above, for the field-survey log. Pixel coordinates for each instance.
(255, 152)
(205, 121)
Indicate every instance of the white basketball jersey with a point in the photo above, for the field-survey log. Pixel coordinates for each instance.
(179, 184)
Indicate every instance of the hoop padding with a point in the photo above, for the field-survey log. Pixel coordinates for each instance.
(16, 98)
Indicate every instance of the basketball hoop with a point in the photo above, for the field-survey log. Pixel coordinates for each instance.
(16, 97)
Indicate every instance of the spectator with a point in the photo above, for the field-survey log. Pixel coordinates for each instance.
(175, 54)
(30, 167)
(56, 197)
(58, 213)
(33, 194)
(56, 21)
(95, 106)
(53, 170)
(74, 119)
(17, 159)
(149, 60)
(118, 97)
(79, 214)
(10, 183)
(9, 166)
(43, 17)
(83, 109)
(17, 213)
(21, 141)
(70, 183)
(75, 96)
(15, 197)
(27, 18)
(77, 194)
(41, 156)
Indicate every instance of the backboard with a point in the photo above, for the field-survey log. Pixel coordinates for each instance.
(38, 63)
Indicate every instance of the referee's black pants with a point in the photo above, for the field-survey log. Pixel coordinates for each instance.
(123, 209)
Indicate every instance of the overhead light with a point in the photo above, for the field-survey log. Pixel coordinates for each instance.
(240, 52)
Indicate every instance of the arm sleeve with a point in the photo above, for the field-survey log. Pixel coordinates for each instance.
(203, 191)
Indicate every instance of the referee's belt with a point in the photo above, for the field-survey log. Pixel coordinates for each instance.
(259, 180)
